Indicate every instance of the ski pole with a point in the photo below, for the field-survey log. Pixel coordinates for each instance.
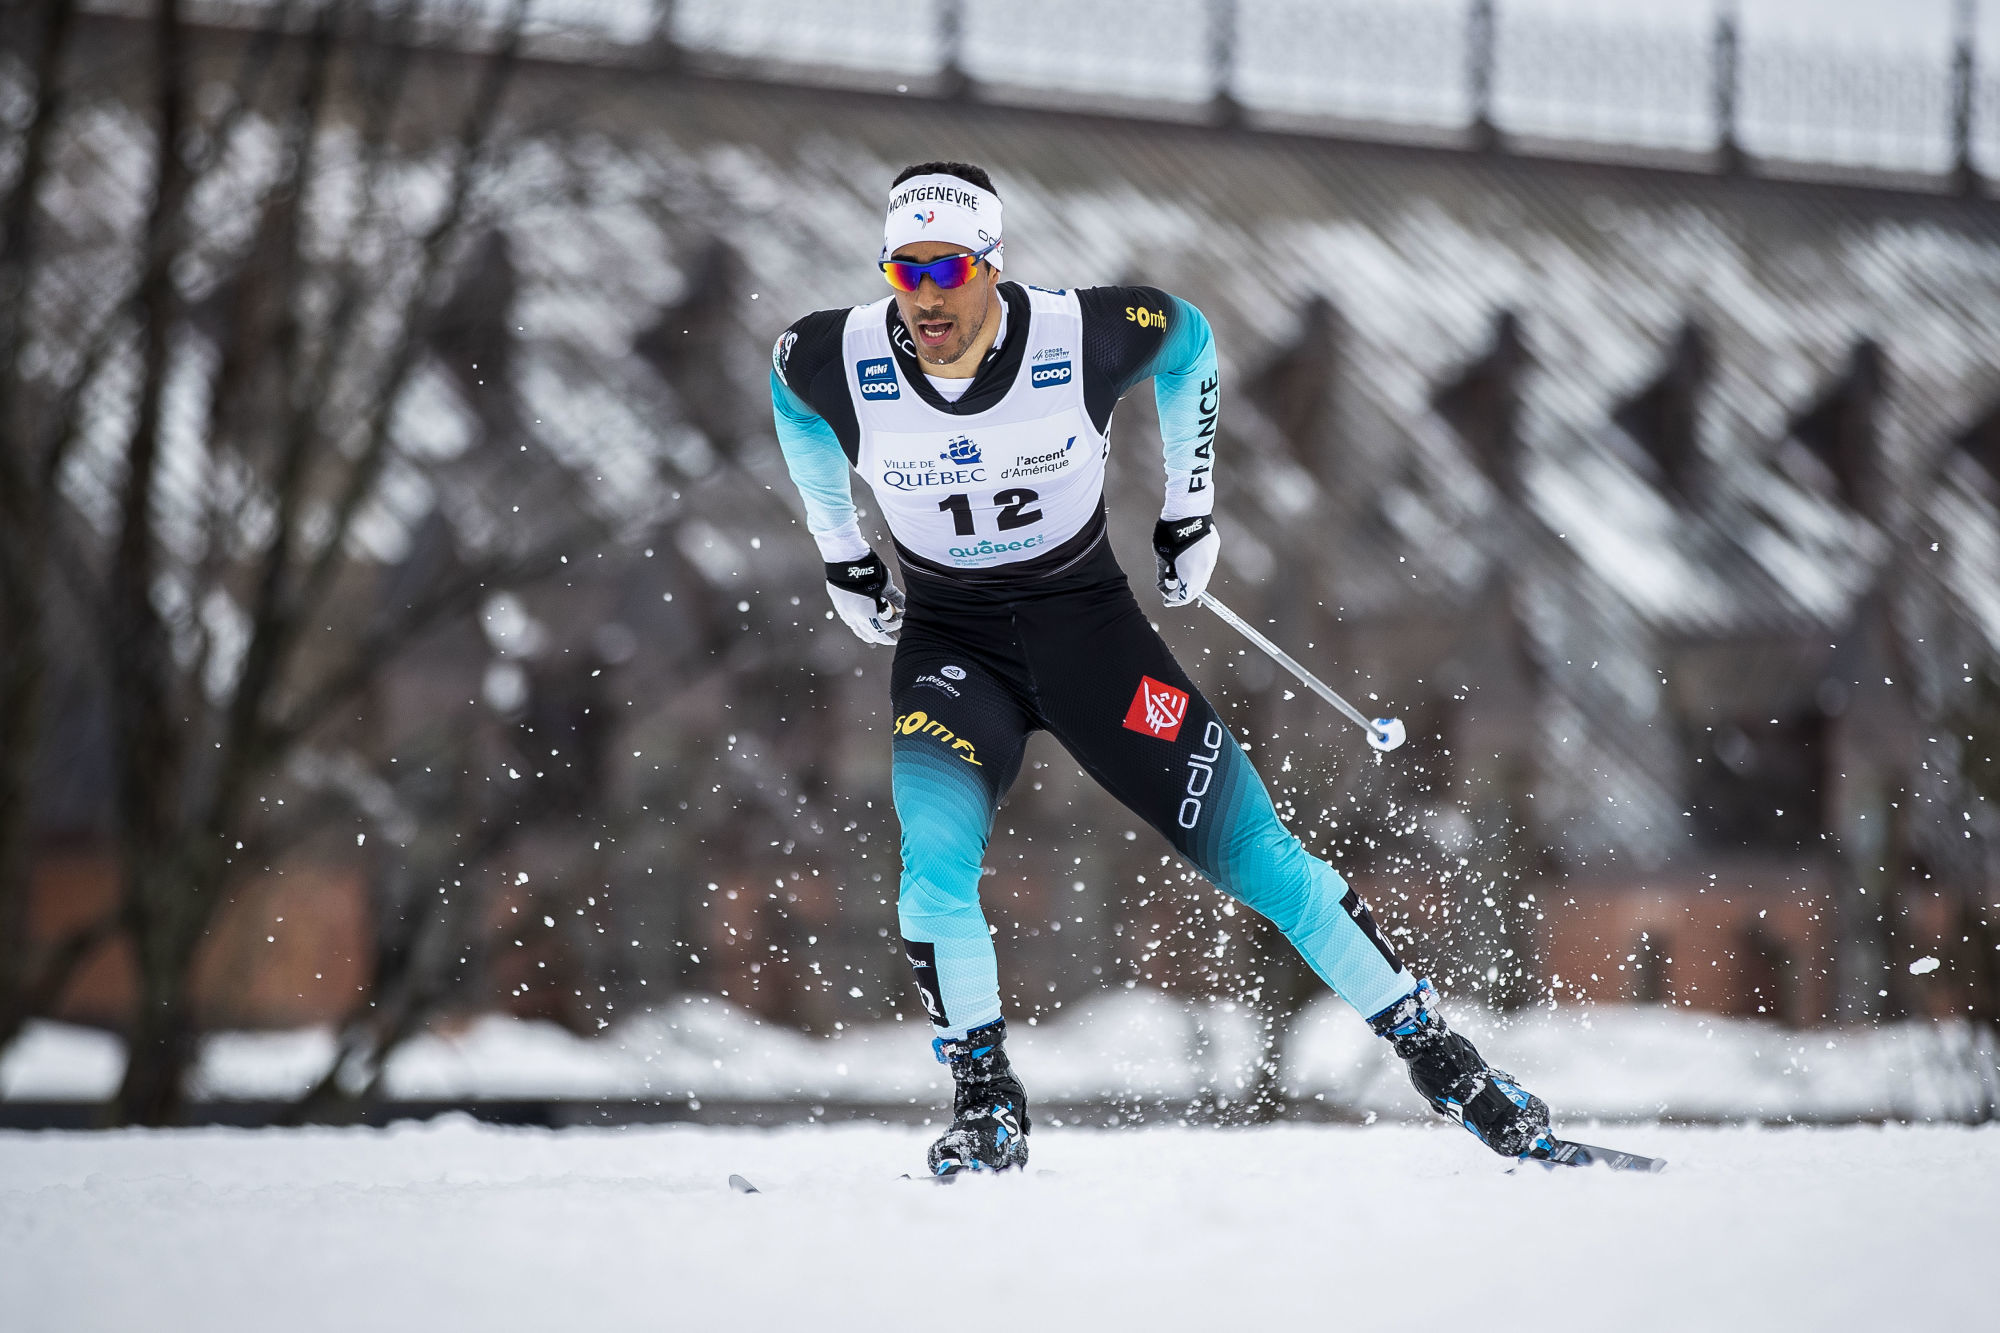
(1384, 733)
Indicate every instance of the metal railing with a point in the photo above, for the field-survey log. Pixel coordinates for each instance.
(1440, 65)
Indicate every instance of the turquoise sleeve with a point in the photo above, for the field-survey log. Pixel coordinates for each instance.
(818, 467)
(1187, 388)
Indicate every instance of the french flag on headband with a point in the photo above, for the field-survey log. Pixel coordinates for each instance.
(1158, 709)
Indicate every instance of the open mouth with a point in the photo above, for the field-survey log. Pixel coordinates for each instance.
(933, 333)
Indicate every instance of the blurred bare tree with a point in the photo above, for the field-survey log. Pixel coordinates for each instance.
(262, 323)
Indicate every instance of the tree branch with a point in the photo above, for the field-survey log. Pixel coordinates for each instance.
(456, 597)
(139, 656)
(273, 620)
(42, 986)
(17, 249)
(421, 309)
(381, 1022)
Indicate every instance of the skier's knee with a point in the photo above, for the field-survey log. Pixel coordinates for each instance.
(929, 908)
(1273, 875)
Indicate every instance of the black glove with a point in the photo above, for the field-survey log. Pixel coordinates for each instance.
(1184, 552)
(866, 598)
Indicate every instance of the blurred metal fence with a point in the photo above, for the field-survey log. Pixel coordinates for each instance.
(1444, 65)
(1821, 106)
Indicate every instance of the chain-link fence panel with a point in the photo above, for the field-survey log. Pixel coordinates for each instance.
(1624, 84)
(1821, 104)
(1402, 63)
(1985, 127)
(1159, 50)
(893, 36)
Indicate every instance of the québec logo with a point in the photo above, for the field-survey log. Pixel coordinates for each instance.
(961, 449)
(878, 378)
(1049, 375)
(1158, 709)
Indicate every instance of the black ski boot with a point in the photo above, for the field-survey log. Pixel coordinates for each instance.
(989, 1127)
(1457, 1083)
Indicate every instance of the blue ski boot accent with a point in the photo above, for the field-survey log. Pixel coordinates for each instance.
(989, 1127)
(1458, 1084)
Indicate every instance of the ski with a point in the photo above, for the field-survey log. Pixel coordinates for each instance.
(1566, 1152)
(951, 1176)
(742, 1186)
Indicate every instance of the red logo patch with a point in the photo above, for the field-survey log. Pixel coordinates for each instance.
(1158, 709)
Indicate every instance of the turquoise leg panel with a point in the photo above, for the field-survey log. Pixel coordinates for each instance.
(946, 812)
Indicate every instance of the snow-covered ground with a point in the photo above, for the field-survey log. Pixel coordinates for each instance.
(1616, 1061)
(454, 1225)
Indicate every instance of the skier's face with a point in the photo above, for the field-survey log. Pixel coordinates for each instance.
(946, 322)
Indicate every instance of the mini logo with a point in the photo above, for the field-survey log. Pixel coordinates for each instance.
(878, 378)
(952, 672)
(1049, 375)
(960, 449)
(925, 216)
(1158, 709)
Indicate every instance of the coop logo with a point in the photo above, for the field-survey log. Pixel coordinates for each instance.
(1201, 772)
(919, 723)
(1050, 375)
(878, 378)
(962, 450)
(1158, 709)
(925, 216)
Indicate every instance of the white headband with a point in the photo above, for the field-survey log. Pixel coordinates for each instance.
(942, 208)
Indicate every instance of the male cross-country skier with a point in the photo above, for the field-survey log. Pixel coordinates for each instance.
(979, 413)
